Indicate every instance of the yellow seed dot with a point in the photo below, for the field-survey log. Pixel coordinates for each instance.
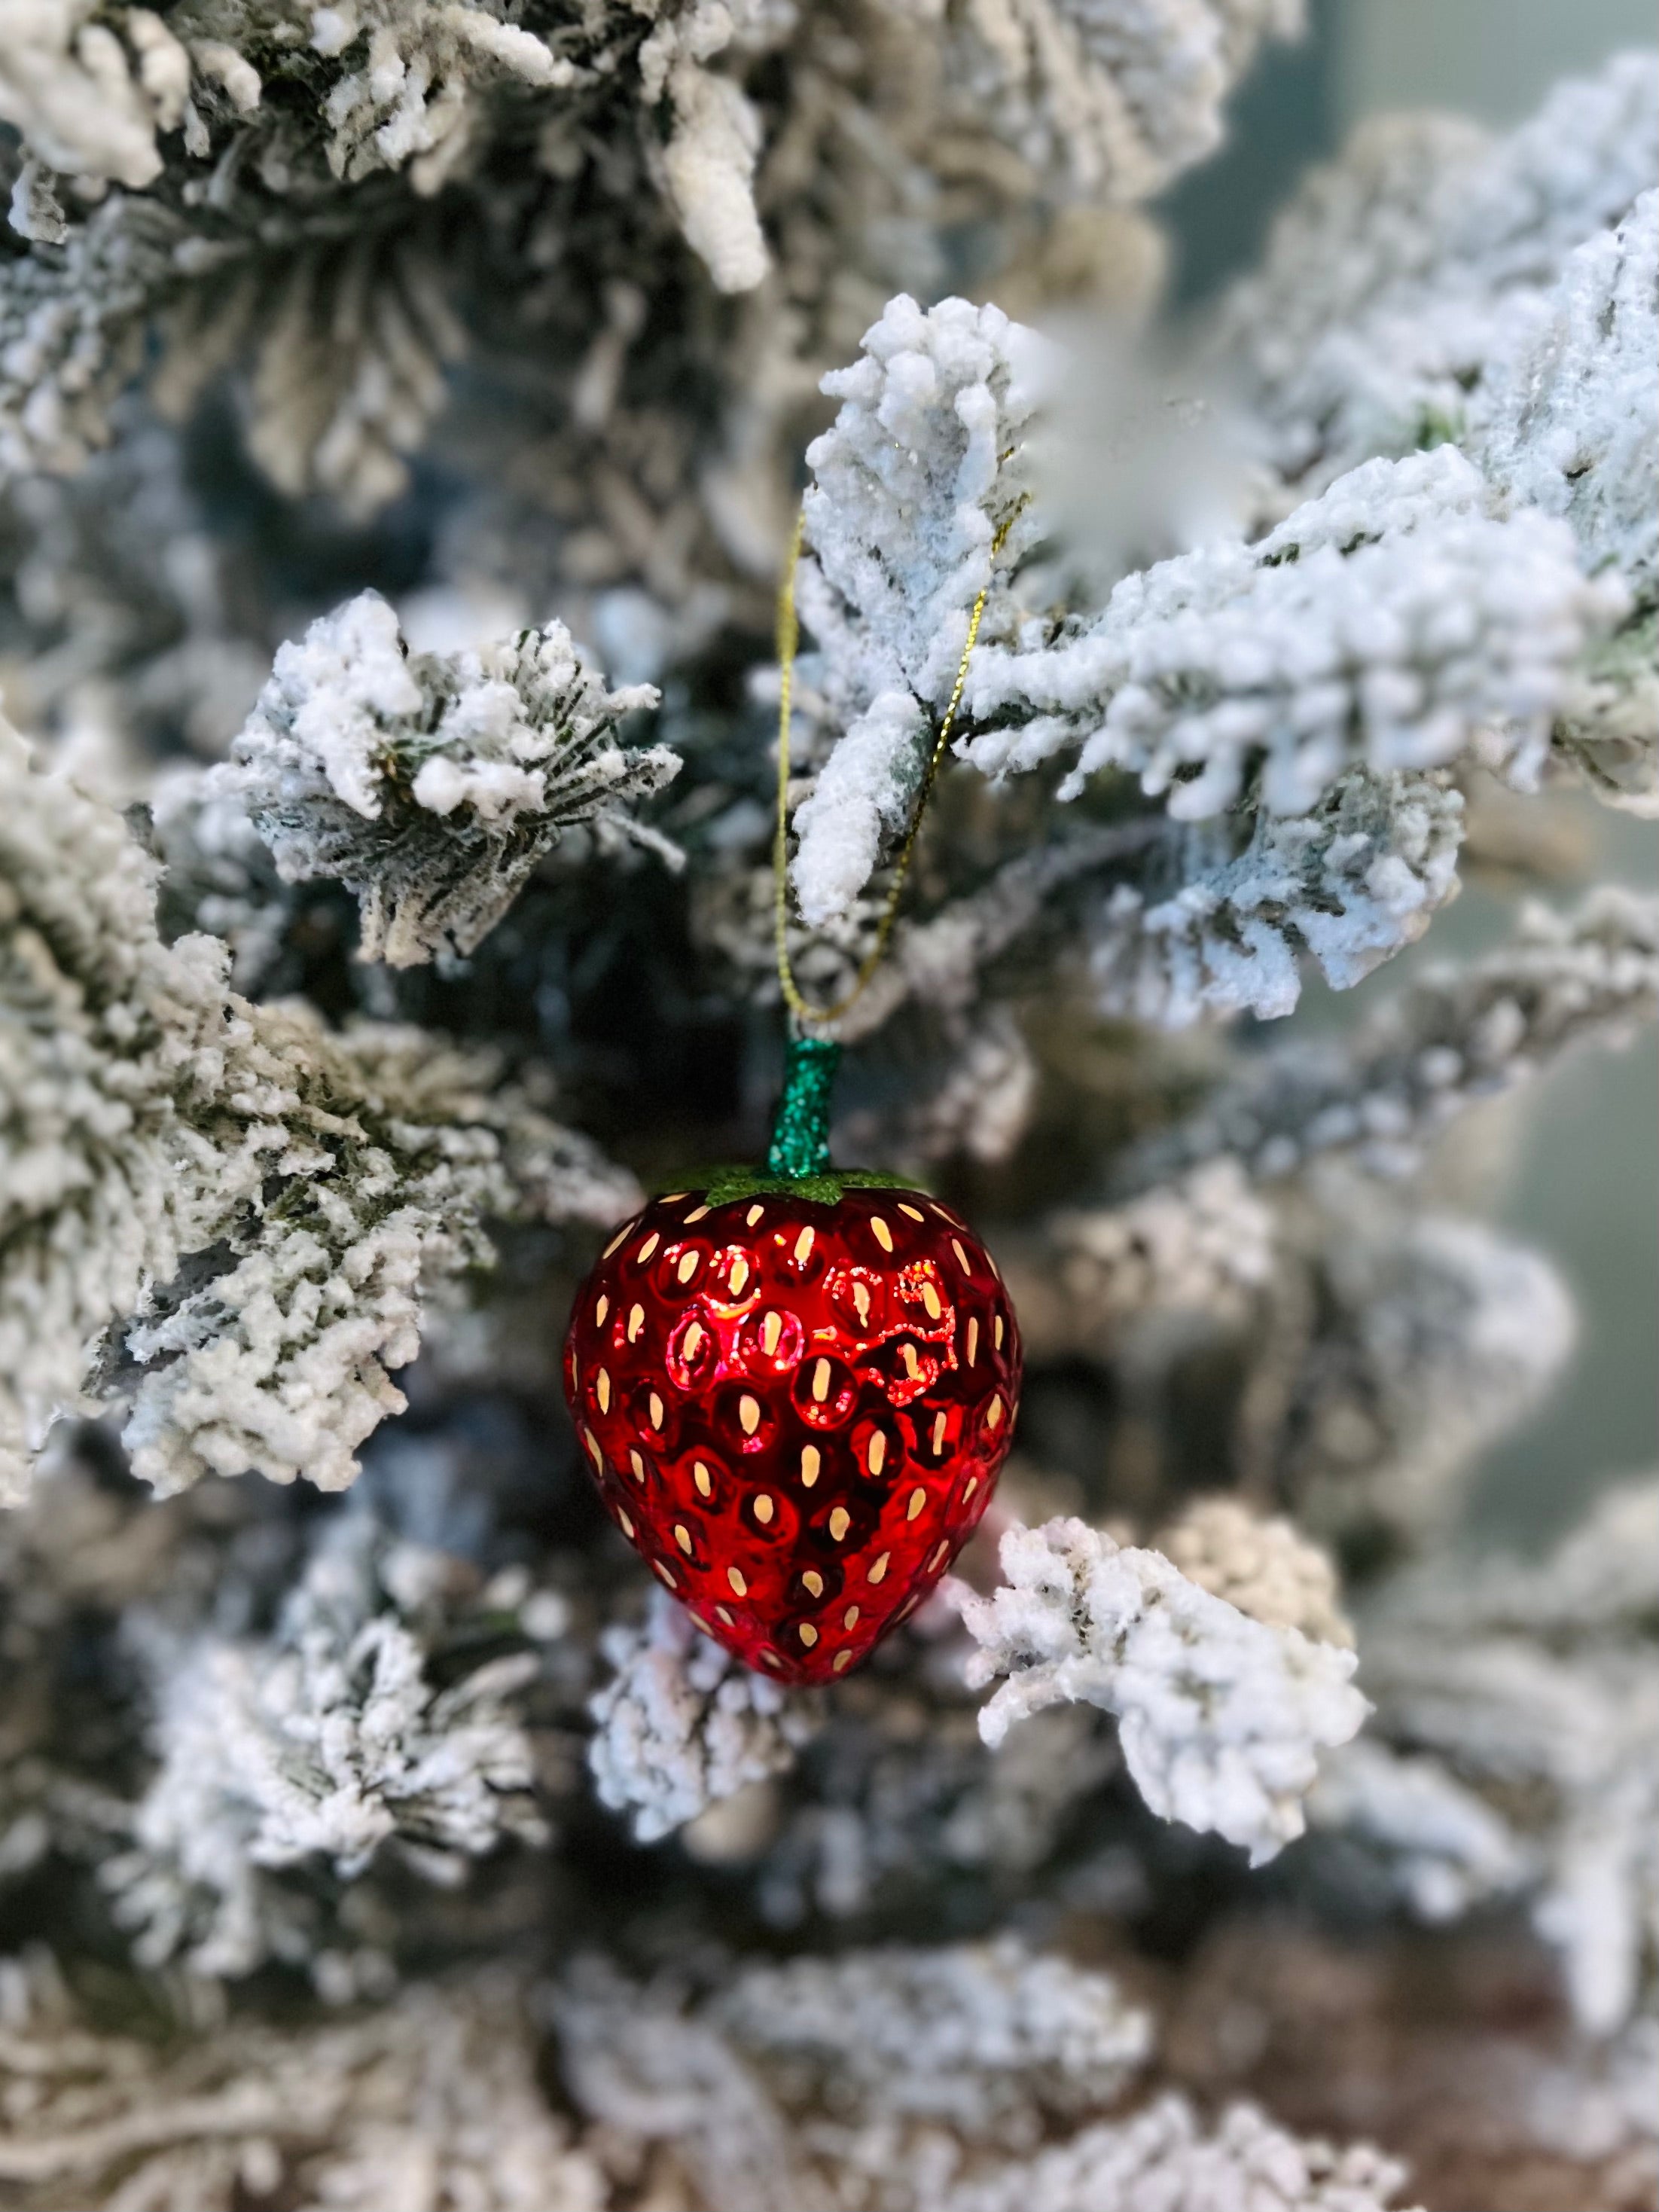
(878, 1573)
(763, 1510)
(602, 1390)
(970, 1488)
(687, 1267)
(721, 1615)
(861, 1300)
(770, 1659)
(996, 1332)
(939, 1557)
(850, 1618)
(809, 1635)
(739, 1587)
(693, 1337)
(962, 1261)
(938, 1434)
(932, 1301)
(771, 1330)
(811, 1461)
(840, 1522)
(700, 1476)
(821, 1381)
(740, 1276)
(627, 1525)
(593, 1451)
(995, 1270)
(648, 1247)
(636, 1464)
(842, 1661)
(749, 1414)
(753, 1216)
(614, 1240)
(682, 1537)
(803, 1246)
(672, 1197)
(973, 1340)
(664, 1573)
(914, 1211)
(993, 1413)
(697, 1213)
(908, 1606)
(878, 1452)
(601, 1311)
(918, 1499)
(814, 1582)
(912, 1364)
(654, 1408)
(881, 1232)
(635, 1322)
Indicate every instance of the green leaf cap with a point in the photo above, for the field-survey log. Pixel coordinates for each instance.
(726, 1184)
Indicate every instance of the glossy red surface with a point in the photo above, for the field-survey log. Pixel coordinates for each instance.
(795, 1412)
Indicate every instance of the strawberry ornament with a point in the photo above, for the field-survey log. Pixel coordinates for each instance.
(795, 1390)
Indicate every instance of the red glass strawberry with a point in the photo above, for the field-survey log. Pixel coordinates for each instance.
(795, 1393)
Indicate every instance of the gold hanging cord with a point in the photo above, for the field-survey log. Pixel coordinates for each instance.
(788, 639)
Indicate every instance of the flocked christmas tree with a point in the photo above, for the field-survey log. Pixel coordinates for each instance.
(402, 414)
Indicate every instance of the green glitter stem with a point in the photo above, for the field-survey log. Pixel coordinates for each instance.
(800, 1128)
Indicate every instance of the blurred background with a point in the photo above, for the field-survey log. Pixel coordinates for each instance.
(1575, 1161)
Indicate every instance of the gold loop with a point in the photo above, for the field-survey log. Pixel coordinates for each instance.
(788, 640)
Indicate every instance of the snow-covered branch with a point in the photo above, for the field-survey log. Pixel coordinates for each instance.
(970, 2077)
(247, 1201)
(922, 471)
(1220, 1717)
(1226, 909)
(322, 1745)
(432, 785)
(1458, 1033)
(434, 2096)
(1402, 277)
(1384, 624)
(1523, 1700)
(681, 1726)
